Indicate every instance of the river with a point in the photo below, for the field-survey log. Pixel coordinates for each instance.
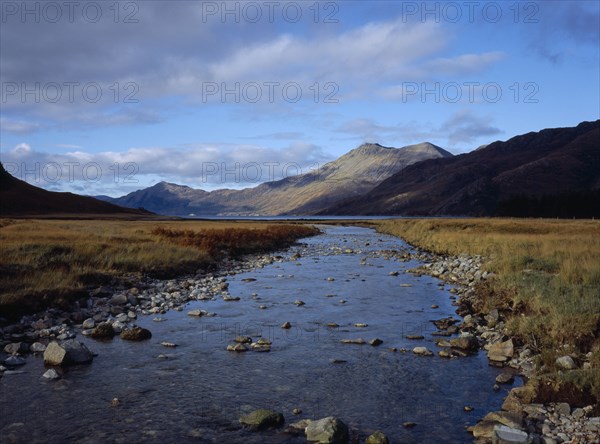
(197, 391)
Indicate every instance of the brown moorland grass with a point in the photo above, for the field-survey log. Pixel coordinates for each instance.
(547, 280)
(52, 262)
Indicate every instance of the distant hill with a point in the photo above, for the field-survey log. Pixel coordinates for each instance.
(542, 168)
(353, 174)
(18, 198)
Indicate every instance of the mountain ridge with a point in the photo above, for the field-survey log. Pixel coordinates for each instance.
(352, 174)
(547, 162)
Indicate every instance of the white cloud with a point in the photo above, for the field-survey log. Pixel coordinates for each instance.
(207, 166)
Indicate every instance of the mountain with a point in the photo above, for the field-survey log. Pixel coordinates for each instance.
(542, 165)
(353, 174)
(18, 198)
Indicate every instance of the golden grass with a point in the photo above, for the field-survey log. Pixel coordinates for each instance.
(547, 276)
(44, 261)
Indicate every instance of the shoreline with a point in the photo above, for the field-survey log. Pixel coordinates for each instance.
(521, 420)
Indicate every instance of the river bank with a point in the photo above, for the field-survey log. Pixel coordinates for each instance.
(547, 409)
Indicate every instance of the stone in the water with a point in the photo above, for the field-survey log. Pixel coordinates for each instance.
(566, 363)
(353, 341)
(14, 361)
(103, 330)
(377, 438)
(51, 374)
(328, 430)
(298, 428)
(361, 325)
(262, 419)
(423, 351)
(68, 352)
(415, 337)
(243, 339)
(332, 325)
(136, 334)
(409, 424)
(115, 402)
(37, 347)
(468, 408)
(237, 347)
(505, 378)
(296, 411)
(393, 273)
(196, 313)
(330, 279)
(298, 302)
(286, 325)
(375, 342)
(88, 323)
(168, 344)
(231, 298)
(435, 306)
(446, 353)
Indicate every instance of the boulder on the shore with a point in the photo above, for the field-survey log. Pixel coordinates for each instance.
(512, 420)
(330, 430)
(501, 351)
(518, 397)
(566, 363)
(69, 352)
(37, 347)
(136, 334)
(262, 419)
(468, 343)
(104, 330)
(16, 347)
(507, 435)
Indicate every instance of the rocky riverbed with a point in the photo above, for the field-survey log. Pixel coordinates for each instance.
(520, 420)
(314, 309)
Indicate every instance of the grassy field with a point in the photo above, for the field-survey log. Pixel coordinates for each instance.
(51, 262)
(547, 280)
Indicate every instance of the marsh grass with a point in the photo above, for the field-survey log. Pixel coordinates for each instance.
(547, 279)
(52, 262)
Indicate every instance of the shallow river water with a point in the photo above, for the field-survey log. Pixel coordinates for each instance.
(199, 391)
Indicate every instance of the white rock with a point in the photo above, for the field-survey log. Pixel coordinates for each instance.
(566, 363)
(38, 347)
(51, 374)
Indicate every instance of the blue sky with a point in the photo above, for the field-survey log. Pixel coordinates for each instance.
(111, 97)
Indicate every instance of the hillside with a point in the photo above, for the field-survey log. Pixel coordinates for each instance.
(353, 174)
(545, 164)
(18, 198)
